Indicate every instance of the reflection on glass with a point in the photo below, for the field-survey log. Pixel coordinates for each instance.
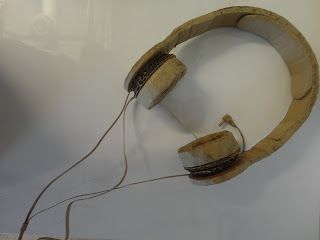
(58, 26)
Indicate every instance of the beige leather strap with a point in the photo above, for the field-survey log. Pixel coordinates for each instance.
(293, 48)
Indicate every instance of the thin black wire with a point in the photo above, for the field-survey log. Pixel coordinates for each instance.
(34, 204)
(81, 195)
(68, 211)
(100, 193)
(103, 191)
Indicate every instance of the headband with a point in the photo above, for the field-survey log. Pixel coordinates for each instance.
(216, 157)
(157, 72)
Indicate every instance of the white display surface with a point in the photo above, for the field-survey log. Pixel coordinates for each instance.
(62, 66)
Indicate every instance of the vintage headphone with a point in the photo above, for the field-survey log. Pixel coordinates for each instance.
(218, 157)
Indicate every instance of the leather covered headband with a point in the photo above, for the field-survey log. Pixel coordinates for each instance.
(157, 72)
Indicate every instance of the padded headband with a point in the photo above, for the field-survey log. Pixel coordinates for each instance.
(288, 41)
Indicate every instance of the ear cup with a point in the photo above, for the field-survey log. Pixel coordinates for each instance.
(161, 81)
(210, 154)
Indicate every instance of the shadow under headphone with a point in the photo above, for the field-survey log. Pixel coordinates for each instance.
(218, 157)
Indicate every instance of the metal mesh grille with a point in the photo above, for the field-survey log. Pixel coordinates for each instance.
(143, 76)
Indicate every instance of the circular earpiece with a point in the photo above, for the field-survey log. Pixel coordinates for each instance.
(156, 79)
(210, 154)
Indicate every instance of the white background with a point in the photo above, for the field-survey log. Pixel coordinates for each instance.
(58, 93)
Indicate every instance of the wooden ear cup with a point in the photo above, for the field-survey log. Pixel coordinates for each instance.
(210, 154)
(157, 78)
